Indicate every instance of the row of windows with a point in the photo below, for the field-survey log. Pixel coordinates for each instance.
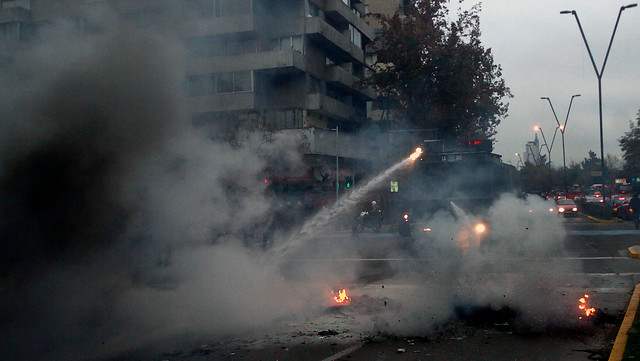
(219, 8)
(219, 83)
(198, 48)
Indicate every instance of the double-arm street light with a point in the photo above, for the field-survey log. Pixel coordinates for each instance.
(519, 160)
(546, 144)
(599, 72)
(562, 128)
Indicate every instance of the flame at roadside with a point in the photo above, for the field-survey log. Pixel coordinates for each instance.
(340, 297)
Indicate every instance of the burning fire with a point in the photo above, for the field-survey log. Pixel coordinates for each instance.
(588, 311)
(416, 154)
(341, 297)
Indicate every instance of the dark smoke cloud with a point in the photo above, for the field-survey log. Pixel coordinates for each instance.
(112, 202)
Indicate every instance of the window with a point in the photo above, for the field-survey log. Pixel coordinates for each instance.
(297, 43)
(285, 43)
(224, 83)
(197, 85)
(313, 10)
(249, 46)
(236, 7)
(313, 85)
(233, 47)
(204, 8)
(356, 36)
(242, 81)
(271, 45)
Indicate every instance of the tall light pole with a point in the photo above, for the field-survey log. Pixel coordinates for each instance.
(599, 72)
(337, 164)
(519, 160)
(562, 128)
(536, 128)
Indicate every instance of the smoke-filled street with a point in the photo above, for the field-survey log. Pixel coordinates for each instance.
(200, 180)
(391, 298)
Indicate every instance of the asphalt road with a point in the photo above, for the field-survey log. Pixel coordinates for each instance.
(594, 261)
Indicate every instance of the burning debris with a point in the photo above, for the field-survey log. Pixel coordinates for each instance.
(584, 307)
(340, 297)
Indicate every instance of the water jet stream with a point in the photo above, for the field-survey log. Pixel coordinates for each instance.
(345, 203)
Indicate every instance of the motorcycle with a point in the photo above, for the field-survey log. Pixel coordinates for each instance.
(365, 219)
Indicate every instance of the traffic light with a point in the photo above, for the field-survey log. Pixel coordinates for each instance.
(348, 181)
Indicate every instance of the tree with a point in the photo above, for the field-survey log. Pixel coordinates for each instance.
(630, 145)
(434, 73)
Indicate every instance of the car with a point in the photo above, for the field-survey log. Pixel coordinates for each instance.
(594, 198)
(566, 207)
(617, 200)
(622, 210)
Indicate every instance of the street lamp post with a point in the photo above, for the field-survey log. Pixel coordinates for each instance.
(536, 128)
(599, 72)
(337, 164)
(562, 128)
(519, 160)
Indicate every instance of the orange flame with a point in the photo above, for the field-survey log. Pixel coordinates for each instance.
(588, 311)
(341, 297)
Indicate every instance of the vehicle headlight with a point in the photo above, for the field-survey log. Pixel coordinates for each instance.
(560, 209)
(480, 228)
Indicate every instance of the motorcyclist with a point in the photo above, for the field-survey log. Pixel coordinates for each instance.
(376, 210)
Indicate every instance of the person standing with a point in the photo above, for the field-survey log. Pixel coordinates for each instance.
(634, 205)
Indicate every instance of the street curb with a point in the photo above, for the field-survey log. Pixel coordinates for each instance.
(617, 352)
(602, 220)
(634, 251)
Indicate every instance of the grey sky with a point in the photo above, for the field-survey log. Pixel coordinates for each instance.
(543, 55)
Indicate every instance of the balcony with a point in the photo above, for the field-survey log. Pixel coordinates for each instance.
(288, 59)
(330, 107)
(344, 15)
(332, 39)
(342, 78)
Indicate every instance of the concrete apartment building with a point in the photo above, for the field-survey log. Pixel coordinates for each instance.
(271, 65)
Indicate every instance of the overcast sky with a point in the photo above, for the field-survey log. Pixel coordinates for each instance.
(543, 55)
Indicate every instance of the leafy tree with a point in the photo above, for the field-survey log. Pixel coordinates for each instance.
(434, 73)
(630, 145)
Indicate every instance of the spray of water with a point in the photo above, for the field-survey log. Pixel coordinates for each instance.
(343, 205)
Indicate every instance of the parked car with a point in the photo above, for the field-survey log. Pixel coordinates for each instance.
(567, 207)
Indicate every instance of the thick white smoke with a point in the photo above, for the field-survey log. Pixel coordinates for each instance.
(512, 267)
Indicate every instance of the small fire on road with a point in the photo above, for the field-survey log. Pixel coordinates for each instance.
(340, 297)
(584, 306)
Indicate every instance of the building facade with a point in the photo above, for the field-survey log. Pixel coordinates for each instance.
(266, 65)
